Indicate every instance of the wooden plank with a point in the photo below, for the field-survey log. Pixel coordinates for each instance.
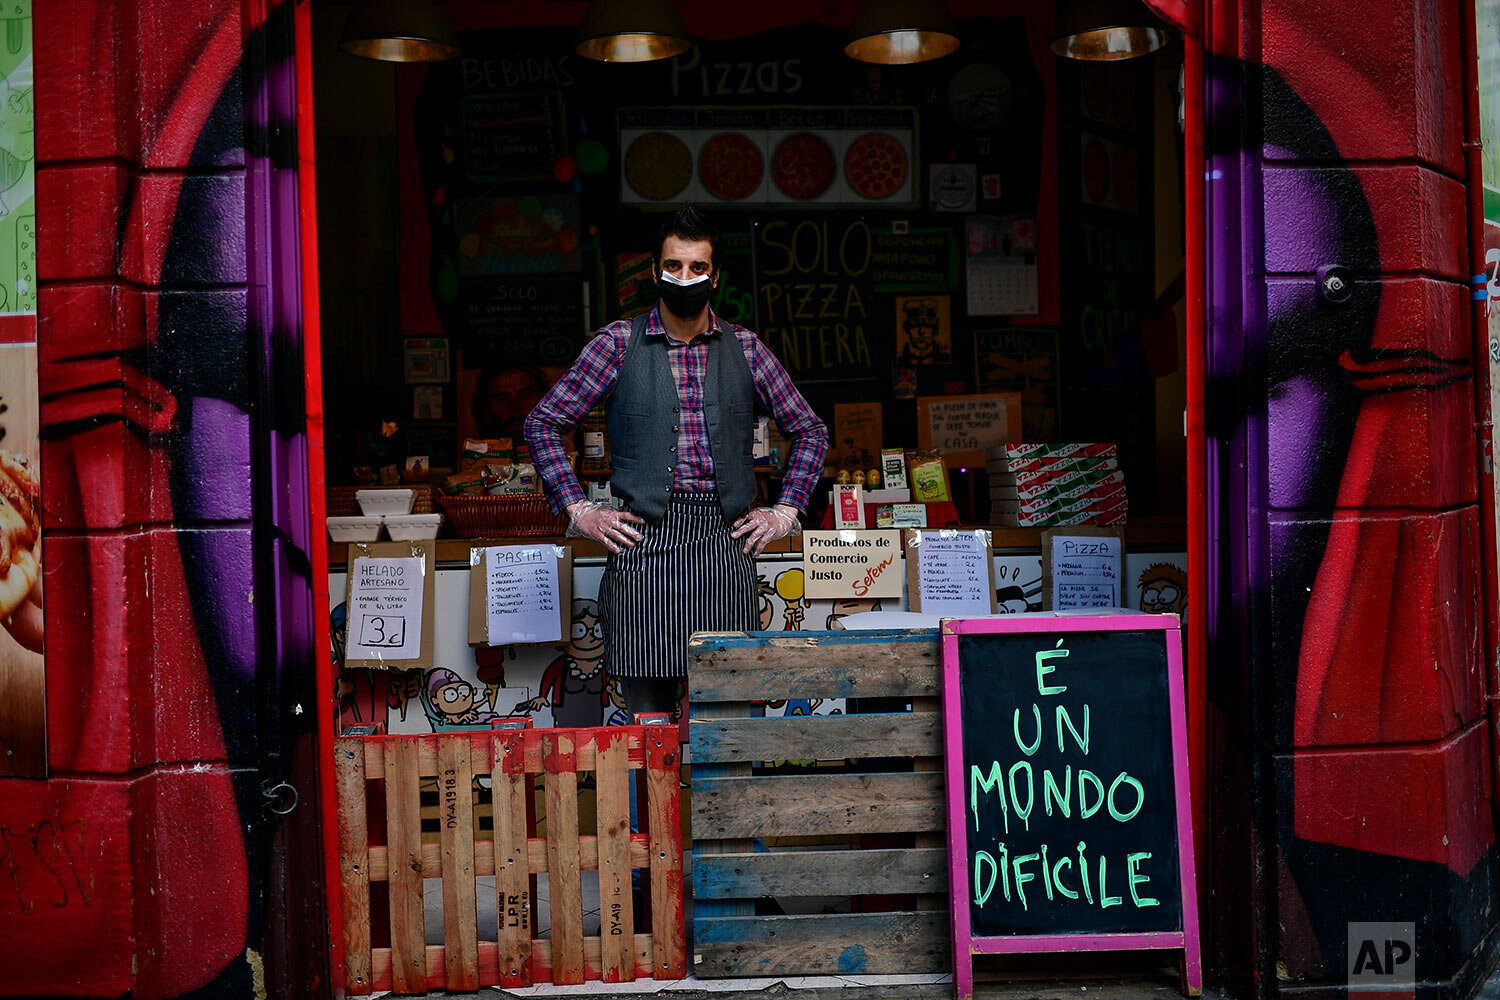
(539, 967)
(664, 818)
(456, 826)
(822, 944)
(822, 873)
(509, 792)
(427, 757)
(564, 884)
(735, 667)
(535, 855)
(612, 806)
(930, 762)
(354, 862)
(403, 823)
(832, 804)
(706, 844)
(817, 737)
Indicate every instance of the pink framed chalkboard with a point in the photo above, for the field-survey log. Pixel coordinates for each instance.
(1065, 744)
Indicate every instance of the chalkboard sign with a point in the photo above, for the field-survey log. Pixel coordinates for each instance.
(914, 260)
(536, 320)
(815, 298)
(512, 137)
(1068, 813)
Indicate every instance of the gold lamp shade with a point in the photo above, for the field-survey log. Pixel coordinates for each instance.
(400, 31)
(632, 31)
(1106, 30)
(901, 31)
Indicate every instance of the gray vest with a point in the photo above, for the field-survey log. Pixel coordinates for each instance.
(643, 415)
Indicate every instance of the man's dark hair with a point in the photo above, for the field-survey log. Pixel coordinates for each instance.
(687, 223)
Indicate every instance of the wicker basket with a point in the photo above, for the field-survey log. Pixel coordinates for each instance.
(501, 516)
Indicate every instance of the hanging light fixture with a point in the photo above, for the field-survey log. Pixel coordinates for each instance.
(400, 31)
(632, 31)
(901, 31)
(1106, 30)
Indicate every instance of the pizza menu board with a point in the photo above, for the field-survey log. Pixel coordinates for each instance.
(776, 156)
(512, 137)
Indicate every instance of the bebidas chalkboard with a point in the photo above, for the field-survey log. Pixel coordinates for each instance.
(1068, 810)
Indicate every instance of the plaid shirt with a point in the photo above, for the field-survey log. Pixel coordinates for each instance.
(593, 375)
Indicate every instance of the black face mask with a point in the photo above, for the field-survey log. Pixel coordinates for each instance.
(684, 299)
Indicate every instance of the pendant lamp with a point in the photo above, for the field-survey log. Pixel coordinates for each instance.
(632, 31)
(901, 31)
(400, 31)
(1106, 30)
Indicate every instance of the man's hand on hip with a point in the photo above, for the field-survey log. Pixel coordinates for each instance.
(761, 526)
(615, 529)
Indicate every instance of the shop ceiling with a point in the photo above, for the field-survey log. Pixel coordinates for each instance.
(888, 32)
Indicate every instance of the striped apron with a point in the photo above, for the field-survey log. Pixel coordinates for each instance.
(686, 575)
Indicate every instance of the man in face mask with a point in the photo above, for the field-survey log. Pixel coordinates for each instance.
(681, 388)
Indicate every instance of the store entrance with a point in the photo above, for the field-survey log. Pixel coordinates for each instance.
(975, 270)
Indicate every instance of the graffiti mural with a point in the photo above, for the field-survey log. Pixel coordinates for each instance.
(160, 321)
(1340, 405)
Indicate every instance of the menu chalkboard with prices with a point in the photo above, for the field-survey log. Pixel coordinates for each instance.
(1070, 824)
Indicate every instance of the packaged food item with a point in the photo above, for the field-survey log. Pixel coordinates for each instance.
(893, 468)
(929, 477)
(479, 451)
(908, 515)
(848, 507)
(872, 478)
(883, 516)
(842, 476)
(857, 477)
(463, 483)
(595, 458)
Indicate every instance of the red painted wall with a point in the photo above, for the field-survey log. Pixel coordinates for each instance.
(132, 867)
(1351, 547)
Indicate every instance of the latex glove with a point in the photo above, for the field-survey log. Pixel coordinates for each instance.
(603, 523)
(760, 526)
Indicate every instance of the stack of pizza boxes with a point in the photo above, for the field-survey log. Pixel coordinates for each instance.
(1043, 485)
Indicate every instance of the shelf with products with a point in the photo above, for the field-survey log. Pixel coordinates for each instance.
(1142, 534)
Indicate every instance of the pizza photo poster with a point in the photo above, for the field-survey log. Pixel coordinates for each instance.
(23, 704)
(779, 156)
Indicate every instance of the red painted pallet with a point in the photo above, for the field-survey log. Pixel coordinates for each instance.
(383, 860)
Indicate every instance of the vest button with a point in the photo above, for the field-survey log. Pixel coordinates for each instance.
(673, 448)
(676, 409)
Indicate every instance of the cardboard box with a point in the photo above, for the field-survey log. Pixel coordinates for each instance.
(1045, 469)
(1053, 520)
(1061, 490)
(1018, 455)
(1109, 501)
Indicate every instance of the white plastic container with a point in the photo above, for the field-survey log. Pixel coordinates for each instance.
(355, 529)
(412, 527)
(374, 502)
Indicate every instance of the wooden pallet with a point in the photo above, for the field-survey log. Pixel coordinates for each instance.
(889, 792)
(383, 859)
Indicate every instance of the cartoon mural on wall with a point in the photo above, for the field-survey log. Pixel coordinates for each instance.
(1163, 589)
(573, 683)
(450, 702)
